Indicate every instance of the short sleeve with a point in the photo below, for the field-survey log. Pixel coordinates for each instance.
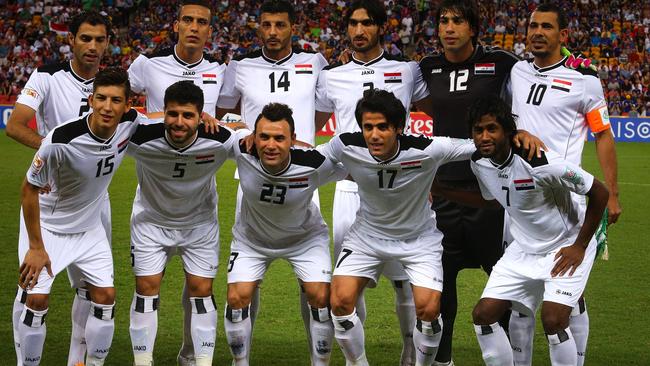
(331, 172)
(332, 150)
(137, 76)
(447, 149)
(323, 103)
(45, 161)
(595, 109)
(420, 89)
(230, 95)
(35, 90)
(564, 174)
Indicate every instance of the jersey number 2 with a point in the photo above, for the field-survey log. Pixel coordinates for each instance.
(283, 81)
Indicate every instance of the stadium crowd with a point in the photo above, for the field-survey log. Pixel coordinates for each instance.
(616, 34)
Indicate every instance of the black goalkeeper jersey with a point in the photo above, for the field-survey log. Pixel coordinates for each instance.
(454, 86)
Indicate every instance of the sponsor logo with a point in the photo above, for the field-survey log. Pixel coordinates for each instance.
(87, 90)
(209, 78)
(541, 75)
(304, 68)
(565, 293)
(524, 184)
(30, 93)
(367, 72)
(139, 348)
(485, 69)
(326, 271)
(516, 349)
(563, 85)
(237, 348)
(503, 175)
(573, 176)
(32, 359)
(322, 347)
(207, 344)
(105, 147)
(392, 77)
(189, 73)
(97, 350)
(436, 71)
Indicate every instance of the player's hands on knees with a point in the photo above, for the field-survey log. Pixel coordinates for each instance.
(211, 124)
(33, 264)
(614, 209)
(531, 143)
(568, 259)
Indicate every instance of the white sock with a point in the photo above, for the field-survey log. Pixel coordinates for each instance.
(305, 312)
(204, 328)
(322, 334)
(237, 323)
(522, 332)
(187, 347)
(426, 338)
(143, 327)
(579, 324)
(32, 331)
(361, 307)
(80, 310)
(254, 307)
(494, 345)
(99, 332)
(562, 348)
(405, 309)
(19, 304)
(348, 331)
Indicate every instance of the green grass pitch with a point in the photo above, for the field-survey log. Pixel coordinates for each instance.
(618, 296)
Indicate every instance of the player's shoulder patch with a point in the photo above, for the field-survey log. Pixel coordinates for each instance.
(163, 52)
(476, 156)
(535, 162)
(300, 50)
(500, 54)
(586, 71)
(310, 158)
(129, 116)
(414, 142)
(432, 62)
(353, 139)
(208, 57)
(252, 54)
(399, 58)
(70, 131)
(221, 136)
(146, 133)
(54, 68)
(334, 65)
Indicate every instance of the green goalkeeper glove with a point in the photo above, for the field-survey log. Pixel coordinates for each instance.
(601, 238)
(575, 62)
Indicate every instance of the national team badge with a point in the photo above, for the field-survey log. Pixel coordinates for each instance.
(560, 84)
(209, 78)
(205, 159)
(301, 182)
(407, 165)
(524, 184)
(573, 176)
(392, 77)
(30, 92)
(37, 165)
(122, 145)
(304, 69)
(485, 69)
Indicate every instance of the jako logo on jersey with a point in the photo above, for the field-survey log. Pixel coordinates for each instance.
(304, 68)
(436, 71)
(207, 344)
(300, 182)
(560, 84)
(205, 159)
(140, 348)
(189, 73)
(392, 77)
(484, 69)
(87, 90)
(106, 147)
(560, 292)
(415, 164)
(367, 72)
(209, 78)
(503, 175)
(524, 184)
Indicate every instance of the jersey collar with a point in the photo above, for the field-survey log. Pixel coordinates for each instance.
(77, 77)
(387, 161)
(548, 68)
(373, 61)
(183, 63)
(277, 62)
(284, 170)
(95, 137)
(505, 163)
(180, 149)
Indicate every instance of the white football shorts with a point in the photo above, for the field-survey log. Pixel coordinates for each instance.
(366, 256)
(310, 260)
(525, 279)
(153, 246)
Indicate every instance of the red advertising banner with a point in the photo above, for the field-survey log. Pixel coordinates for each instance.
(421, 124)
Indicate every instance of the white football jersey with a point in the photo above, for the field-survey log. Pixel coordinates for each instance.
(340, 86)
(277, 210)
(153, 74)
(537, 196)
(257, 80)
(78, 166)
(559, 105)
(57, 94)
(394, 193)
(176, 187)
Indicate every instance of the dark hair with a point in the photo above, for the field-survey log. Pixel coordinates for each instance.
(276, 112)
(203, 3)
(374, 8)
(184, 92)
(384, 102)
(279, 6)
(467, 9)
(494, 106)
(91, 17)
(562, 19)
(113, 76)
